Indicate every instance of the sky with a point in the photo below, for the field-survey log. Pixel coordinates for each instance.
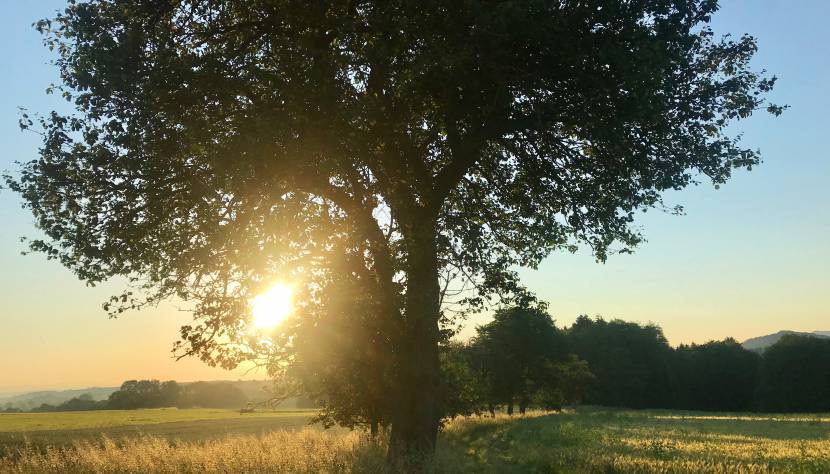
(748, 259)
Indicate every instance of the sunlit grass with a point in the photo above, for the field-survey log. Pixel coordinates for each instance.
(586, 440)
(648, 441)
(306, 451)
(25, 422)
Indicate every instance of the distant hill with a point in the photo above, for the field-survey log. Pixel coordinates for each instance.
(255, 391)
(762, 342)
(27, 401)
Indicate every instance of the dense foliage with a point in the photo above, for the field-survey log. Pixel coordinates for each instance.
(145, 394)
(219, 144)
(521, 359)
(134, 394)
(635, 367)
(631, 363)
(716, 376)
(795, 375)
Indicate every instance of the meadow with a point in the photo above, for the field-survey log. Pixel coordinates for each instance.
(582, 440)
(61, 429)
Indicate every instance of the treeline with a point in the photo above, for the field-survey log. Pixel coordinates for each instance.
(135, 394)
(521, 359)
(634, 366)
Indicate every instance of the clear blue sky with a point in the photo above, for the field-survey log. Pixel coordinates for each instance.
(748, 259)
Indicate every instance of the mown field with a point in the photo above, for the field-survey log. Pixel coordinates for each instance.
(583, 440)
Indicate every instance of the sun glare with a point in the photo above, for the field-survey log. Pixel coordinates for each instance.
(272, 307)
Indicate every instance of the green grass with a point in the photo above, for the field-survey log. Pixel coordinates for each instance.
(610, 441)
(587, 440)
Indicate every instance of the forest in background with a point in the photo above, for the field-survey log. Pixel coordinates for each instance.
(522, 360)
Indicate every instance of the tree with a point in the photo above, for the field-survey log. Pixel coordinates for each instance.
(82, 402)
(518, 352)
(341, 354)
(631, 362)
(465, 389)
(794, 375)
(564, 382)
(145, 394)
(221, 142)
(716, 376)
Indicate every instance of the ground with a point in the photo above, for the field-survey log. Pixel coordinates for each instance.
(600, 440)
(64, 428)
(582, 440)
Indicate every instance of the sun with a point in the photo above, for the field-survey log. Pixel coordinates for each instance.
(272, 307)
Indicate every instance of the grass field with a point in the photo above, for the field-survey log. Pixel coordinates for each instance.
(585, 440)
(103, 419)
(595, 440)
(64, 428)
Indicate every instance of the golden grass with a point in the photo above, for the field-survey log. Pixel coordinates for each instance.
(306, 451)
(100, 419)
(586, 440)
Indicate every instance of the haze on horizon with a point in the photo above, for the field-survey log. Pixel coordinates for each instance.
(747, 260)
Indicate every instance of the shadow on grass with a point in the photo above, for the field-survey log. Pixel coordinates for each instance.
(597, 440)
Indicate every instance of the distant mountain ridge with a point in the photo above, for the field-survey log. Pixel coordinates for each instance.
(762, 342)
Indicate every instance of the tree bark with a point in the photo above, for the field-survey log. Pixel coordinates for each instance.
(416, 416)
(373, 428)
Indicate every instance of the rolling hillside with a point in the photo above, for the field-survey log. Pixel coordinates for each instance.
(762, 342)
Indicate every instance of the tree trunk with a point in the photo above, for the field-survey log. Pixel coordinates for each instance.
(373, 429)
(416, 415)
(524, 401)
(510, 407)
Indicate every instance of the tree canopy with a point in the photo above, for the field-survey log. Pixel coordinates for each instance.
(218, 143)
(717, 375)
(632, 363)
(794, 375)
(515, 353)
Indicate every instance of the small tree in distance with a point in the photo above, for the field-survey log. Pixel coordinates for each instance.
(218, 143)
(519, 355)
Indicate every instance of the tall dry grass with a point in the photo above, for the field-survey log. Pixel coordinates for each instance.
(582, 441)
(306, 451)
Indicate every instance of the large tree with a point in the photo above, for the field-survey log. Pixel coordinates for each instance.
(517, 354)
(218, 142)
(632, 362)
